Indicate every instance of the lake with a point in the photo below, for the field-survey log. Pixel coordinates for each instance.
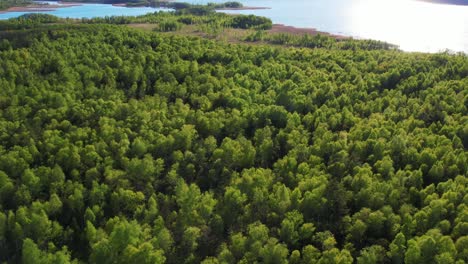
(90, 11)
(413, 25)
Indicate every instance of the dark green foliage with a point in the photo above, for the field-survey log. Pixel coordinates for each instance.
(124, 146)
(232, 5)
(251, 21)
(35, 18)
(315, 41)
(179, 5)
(4, 4)
(169, 26)
(190, 16)
(197, 10)
(27, 21)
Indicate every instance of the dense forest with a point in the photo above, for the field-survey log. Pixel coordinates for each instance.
(119, 145)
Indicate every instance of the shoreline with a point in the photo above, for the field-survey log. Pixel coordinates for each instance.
(217, 9)
(281, 28)
(245, 8)
(276, 28)
(38, 8)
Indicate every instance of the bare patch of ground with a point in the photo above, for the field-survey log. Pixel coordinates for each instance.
(280, 28)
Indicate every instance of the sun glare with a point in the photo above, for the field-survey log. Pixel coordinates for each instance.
(410, 24)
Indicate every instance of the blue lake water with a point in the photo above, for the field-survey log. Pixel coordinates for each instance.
(90, 11)
(413, 25)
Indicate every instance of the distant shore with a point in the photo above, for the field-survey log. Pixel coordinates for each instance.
(224, 8)
(38, 8)
(447, 2)
(276, 28)
(47, 7)
(244, 8)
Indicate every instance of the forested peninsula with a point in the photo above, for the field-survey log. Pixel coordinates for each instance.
(197, 137)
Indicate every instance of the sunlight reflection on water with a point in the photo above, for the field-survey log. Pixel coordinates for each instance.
(413, 25)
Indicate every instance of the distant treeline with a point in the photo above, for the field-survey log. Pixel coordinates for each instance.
(4, 4)
(213, 22)
(120, 146)
(449, 2)
(318, 41)
(27, 21)
(184, 5)
(157, 3)
(194, 15)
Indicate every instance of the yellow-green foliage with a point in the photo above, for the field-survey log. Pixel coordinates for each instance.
(123, 146)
